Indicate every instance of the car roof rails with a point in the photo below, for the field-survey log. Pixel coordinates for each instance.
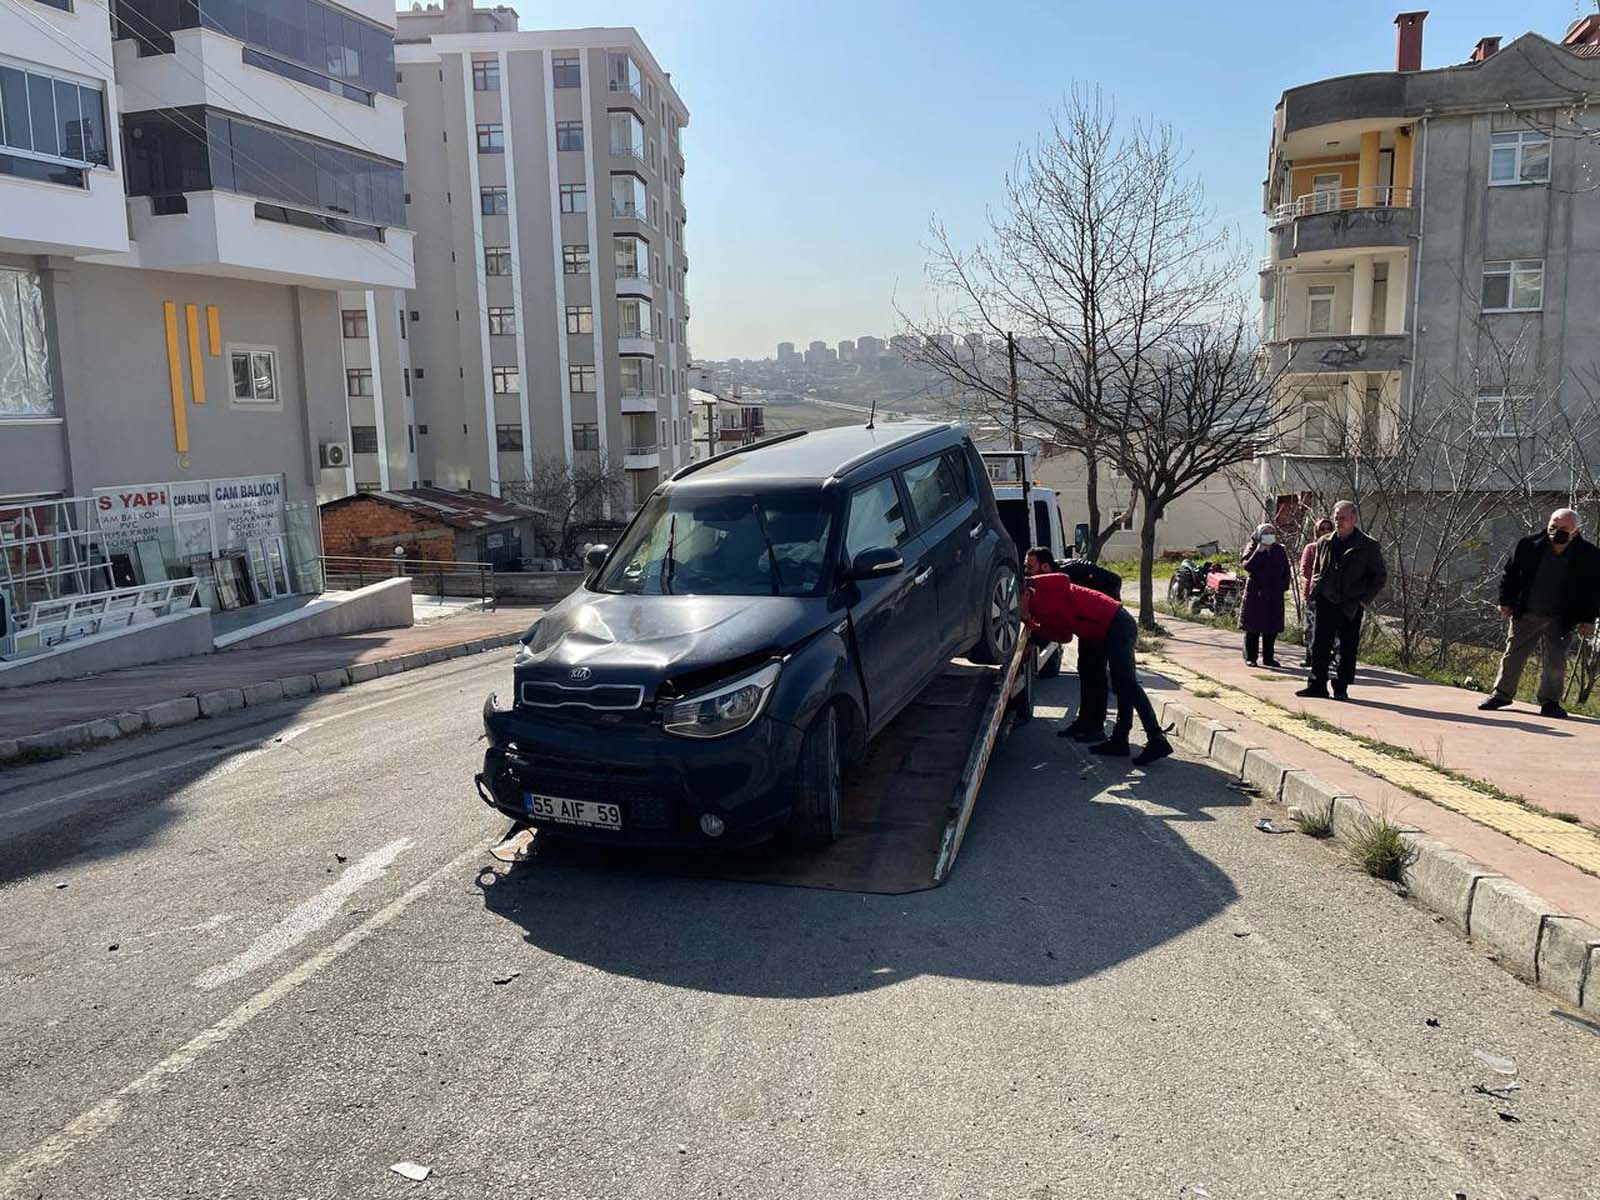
(761, 445)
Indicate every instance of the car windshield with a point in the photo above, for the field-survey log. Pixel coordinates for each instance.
(768, 544)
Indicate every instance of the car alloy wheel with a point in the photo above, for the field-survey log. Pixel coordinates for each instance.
(1004, 612)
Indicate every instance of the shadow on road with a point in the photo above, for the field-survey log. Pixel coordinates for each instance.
(1061, 877)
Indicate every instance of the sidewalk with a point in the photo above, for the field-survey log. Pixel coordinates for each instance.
(1549, 763)
(48, 707)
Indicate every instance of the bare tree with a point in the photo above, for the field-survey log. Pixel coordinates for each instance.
(584, 495)
(1102, 256)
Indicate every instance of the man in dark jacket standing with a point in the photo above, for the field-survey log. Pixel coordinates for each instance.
(1551, 586)
(1346, 576)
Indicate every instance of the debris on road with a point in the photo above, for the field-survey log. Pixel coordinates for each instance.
(1432, 1022)
(341, 857)
(113, 948)
(1265, 825)
(1511, 1118)
(507, 979)
(516, 846)
(59, 886)
(1495, 1063)
(415, 1172)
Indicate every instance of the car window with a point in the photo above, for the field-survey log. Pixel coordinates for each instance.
(875, 519)
(938, 486)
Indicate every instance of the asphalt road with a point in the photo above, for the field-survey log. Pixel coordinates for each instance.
(282, 961)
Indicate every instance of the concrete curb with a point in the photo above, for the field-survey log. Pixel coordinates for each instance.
(1530, 936)
(183, 709)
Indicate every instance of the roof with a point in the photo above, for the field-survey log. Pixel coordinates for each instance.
(459, 510)
(809, 457)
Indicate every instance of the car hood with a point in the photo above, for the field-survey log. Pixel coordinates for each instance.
(648, 639)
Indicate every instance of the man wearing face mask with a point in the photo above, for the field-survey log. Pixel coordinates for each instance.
(1550, 587)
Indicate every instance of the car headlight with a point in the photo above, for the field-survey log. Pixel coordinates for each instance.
(725, 709)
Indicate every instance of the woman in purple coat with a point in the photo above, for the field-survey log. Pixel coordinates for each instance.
(1267, 565)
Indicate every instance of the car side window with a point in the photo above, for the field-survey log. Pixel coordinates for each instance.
(938, 486)
(876, 520)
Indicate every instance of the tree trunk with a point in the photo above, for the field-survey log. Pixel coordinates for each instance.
(1147, 560)
(1091, 498)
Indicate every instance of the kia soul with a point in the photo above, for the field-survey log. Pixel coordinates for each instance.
(765, 614)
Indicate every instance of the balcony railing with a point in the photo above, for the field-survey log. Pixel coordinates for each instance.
(638, 273)
(1375, 196)
(627, 212)
(627, 87)
(644, 448)
(627, 151)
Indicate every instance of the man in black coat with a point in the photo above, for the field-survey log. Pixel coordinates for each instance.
(1347, 574)
(1550, 587)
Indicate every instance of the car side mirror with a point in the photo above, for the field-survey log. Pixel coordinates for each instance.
(876, 563)
(596, 557)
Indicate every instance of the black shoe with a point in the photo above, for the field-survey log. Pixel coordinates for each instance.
(1340, 692)
(1317, 691)
(1117, 747)
(1152, 752)
(1551, 709)
(1095, 733)
(1495, 701)
(1070, 731)
(1273, 663)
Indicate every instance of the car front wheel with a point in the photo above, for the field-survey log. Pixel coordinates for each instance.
(1002, 616)
(814, 815)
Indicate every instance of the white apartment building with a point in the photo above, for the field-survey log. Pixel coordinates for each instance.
(185, 189)
(548, 325)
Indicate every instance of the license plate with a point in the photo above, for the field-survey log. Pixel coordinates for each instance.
(593, 813)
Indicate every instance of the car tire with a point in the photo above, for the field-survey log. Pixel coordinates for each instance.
(819, 783)
(1050, 667)
(1001, 616)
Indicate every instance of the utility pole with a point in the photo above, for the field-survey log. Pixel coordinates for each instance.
(1016, 415)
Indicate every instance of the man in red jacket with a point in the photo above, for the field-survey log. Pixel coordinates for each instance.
(1055, 608)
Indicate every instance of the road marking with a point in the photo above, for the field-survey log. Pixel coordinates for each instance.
(305, 919)
(88, 1126)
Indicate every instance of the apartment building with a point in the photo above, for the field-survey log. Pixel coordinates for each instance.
(549, 322)
(184, 191)
(1434, 239)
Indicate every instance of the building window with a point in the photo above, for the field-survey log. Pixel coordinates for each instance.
(1522, 157)
(58, 127)
(569, 135)
(502, 321)
(580, 377)
(655, 213)
(26, 386)
(411, 439)
(495, 201)
(405, 379)
(354, 321)
(1501, 414)
(623, 74)
(586, 437)
(416, 372)
(575, 260)
(574, 198)
(255, 375)
(486, 75)
(580, 318)
(506, 381)
(1514, 286)
(1319, 309)
(634, 318)
(508, 437)
(402, 324)
(491, 139)
(358, 382)
(363, 439)
(628, 197)
(564, 67)
(497, 260)
(632, 255)
(627, 135)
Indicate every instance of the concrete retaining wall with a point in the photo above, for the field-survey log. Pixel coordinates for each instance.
(384, 605)
(178, 636)
(534, 587)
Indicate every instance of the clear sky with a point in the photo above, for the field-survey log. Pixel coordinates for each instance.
(823, 135)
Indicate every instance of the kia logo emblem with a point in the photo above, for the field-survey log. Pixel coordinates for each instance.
(579, 674)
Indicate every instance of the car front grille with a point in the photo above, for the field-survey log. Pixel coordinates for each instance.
(601, 697)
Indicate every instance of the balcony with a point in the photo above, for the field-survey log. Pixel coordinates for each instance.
(644, 457)
(633, 282)
(629, 212)
(639, 401)
(1339, 354)
(635, 342)
(1348, 219)
(633, 154)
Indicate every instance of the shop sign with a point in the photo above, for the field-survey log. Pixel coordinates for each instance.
(132, 514)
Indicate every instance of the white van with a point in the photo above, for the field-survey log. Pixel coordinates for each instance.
(1032, 516)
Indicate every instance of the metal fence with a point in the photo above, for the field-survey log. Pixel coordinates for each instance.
(433, 577)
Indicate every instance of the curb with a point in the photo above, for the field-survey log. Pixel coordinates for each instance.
(202, 705)
(1528, 935)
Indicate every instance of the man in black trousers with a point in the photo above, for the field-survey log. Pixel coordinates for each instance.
(1347, 574)
(1094, 685)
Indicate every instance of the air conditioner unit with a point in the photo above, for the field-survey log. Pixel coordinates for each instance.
(335, 454)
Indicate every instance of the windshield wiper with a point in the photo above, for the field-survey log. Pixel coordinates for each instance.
(669, 565)
(772, 555)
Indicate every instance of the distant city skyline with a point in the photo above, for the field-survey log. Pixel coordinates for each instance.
(814, 174)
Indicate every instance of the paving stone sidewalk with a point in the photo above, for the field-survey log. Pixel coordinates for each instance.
(44, 707)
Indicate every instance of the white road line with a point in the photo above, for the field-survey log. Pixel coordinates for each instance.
(87, 1126)
(306, 919)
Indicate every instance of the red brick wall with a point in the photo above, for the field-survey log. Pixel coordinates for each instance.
(368, 528)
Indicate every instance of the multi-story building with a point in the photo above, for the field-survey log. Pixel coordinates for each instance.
(548, 325)
(1433, 239)
(184, 191)
(786, 354)
(847, 351)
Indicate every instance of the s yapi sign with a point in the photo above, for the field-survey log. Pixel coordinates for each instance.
(132, 514)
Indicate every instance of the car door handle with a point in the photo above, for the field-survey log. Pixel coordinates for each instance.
(922, 576)
(975, 530)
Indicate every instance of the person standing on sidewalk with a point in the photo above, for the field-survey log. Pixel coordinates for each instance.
(1551, 586)
(1267, 565)
(1347, 574)
(1308, 556)
(1055, 608)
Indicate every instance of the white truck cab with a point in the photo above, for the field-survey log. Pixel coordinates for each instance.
(1032, 516)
